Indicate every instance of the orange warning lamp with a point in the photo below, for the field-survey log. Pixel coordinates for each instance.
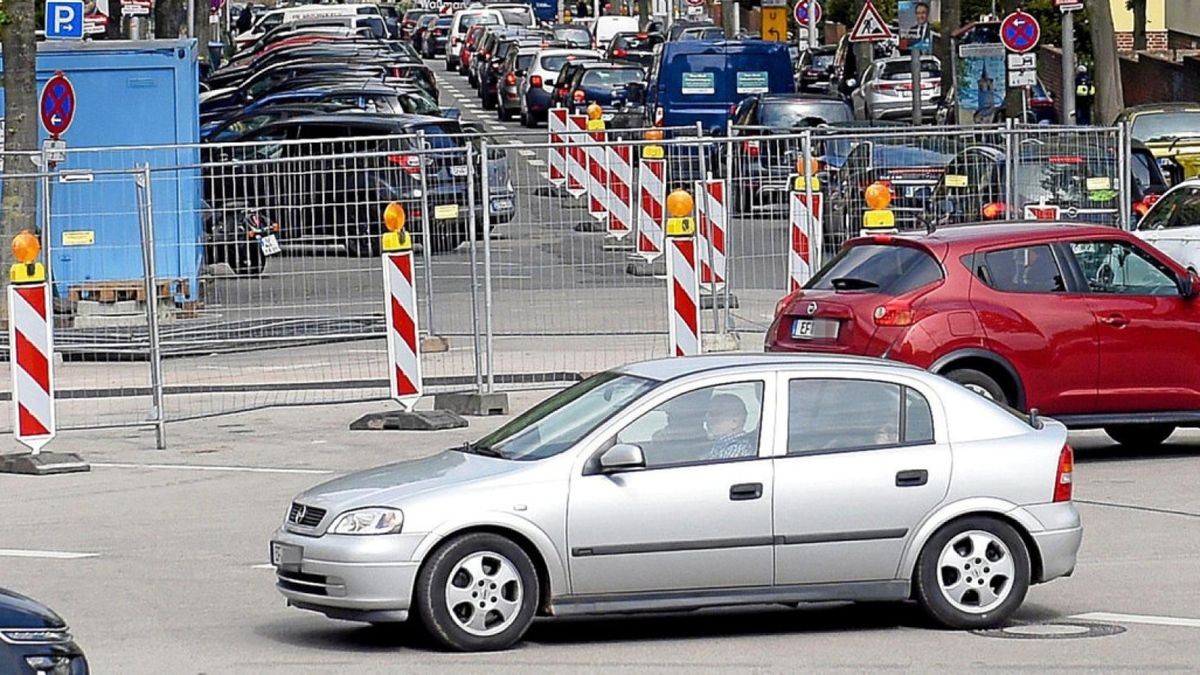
(679, 204)
(594, 111)
(878, 196)
(653, 135)
(813, 167)
(566, 16)
(394, 217)
(26, 247)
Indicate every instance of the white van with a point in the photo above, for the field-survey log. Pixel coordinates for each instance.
(608, 26)
(515, 14)
(279, 17)
(463, 20)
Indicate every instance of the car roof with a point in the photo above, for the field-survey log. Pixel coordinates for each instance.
(596, 65)
(379, 120)
(801, 97)
(1177, 106)
(671, 368)
(974, 235)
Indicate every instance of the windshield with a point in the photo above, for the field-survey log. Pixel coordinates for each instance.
(611, 78)
(793, 114)
(822, 61)
(1155, 127)
(576, 36)
(878, 268)
(1068, 180)
(559, 422)
(640, 41)
(418, 104)
(556, 61)
(517, 17)
(469, 20)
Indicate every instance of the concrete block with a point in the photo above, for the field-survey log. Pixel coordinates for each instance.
(417, 420)
(94, 308)
(721, 342)
(434, 344)
(43, 463)
(591, 225)
(473, 403)
(641, 268)
(718, 301)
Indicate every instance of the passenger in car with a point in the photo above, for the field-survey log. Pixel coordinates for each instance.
(725, 424)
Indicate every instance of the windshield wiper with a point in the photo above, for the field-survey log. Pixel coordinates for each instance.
(471, 448)
(852, 284)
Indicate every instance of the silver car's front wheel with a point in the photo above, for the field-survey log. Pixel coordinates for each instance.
(484, 593)
(975, 571)
(477, 592)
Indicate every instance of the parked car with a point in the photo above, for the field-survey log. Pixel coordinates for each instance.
(489, 39)
(635, 48)
(1047, 316)
(602, 83)
(336, 184)
(512, 74)
(536, 89)
(561, 94)
(463, 21)
(815, 68)
(1170, 130)
(408, 23)
(35, 640)
(490, 70)
(762, 489)
(886, 90)
(1172, 224)
(435, 37)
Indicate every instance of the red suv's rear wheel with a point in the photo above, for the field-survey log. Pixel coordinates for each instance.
(980, 383)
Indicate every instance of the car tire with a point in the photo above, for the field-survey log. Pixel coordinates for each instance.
(446, 603)
(1144, 435)
(980, 383)
(449, 66)
(987, 552)
(503, 114)
(525, 120)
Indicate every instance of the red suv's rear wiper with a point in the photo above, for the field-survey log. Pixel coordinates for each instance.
(852, 284)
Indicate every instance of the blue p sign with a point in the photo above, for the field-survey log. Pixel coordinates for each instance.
(64, 19)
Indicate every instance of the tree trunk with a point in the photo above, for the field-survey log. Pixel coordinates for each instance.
(205, 31)
(1110, 97)
(951, 20)
(643, 10)
(1139, 25)
(169, 16)
(20, 117)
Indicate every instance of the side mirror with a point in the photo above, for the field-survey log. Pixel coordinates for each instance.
(622, 457)
(851, 83)
(1189, 287)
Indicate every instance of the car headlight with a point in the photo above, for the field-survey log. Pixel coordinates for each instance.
(373, 520)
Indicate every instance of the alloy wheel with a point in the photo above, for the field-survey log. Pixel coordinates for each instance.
(975, 571)
(484, 593)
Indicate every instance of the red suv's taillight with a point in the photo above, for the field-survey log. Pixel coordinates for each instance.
(899, 312)
(784, 302)
(1062, 479)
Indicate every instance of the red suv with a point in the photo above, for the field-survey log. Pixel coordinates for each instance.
(1085, 323)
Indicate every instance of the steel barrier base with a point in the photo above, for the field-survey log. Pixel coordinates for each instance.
(473, 403)
(418, 420)
(721, 342)
(43, 464)
(434, 344)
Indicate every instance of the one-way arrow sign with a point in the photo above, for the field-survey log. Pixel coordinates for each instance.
(870, 26)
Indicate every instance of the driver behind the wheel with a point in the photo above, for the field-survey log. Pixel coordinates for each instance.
(725, 424)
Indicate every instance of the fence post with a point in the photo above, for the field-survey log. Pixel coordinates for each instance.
(1125, 186)
(727, 294)
(703, 185)
(150, 275)
(1010, 172)
(471, 238)
(816, 244)
(426, 228)
(487, 267)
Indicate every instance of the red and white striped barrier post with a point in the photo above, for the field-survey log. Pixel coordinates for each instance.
(683, 292)
(597, 169)
(556, 122)
(805, 230)
(400, 298)
(577, 163)
(652, 192)
(713, 215)
(31, 359)
(620, 190)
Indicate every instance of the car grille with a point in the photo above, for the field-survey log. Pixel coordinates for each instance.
(308, 516)
(310, 584)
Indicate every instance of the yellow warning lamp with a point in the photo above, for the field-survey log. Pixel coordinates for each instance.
(26, 248)
(878, 216)
(396, 238)
(654, 150)
(566, 16)
(595, 121)
(679, 212)
(806, 172)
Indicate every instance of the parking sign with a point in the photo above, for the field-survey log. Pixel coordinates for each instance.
(64, 19)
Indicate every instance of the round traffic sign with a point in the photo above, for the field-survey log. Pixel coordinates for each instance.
(800, 12)
(1020, 32)
(695, 3)
(57, 107)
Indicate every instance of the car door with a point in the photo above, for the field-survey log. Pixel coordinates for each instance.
(863, 464)
(698, 515)
(1148, 359)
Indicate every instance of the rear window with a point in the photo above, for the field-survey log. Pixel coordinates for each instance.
(797, 113)
(610, 78)
(470, 20)
(1154, 127)
(555, 62)
(878, 268)
(641, 41)
(444, 22)
(517, 17)
(439, 136)
(523, 61)
(822, 61)
(576, 36)
(902, 70)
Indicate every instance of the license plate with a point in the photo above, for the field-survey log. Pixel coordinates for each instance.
(607, 117)
(270, 245)
(502, 204)
(445, 212)
(814, 329)
(285, 555)
(458, 171)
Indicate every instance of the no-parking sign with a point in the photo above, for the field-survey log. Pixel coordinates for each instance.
(1020, 32)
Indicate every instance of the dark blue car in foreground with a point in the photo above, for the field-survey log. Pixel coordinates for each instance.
(33, 639)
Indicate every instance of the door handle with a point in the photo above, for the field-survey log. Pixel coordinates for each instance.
(745, 491)
(912, 478)
(1115, 320)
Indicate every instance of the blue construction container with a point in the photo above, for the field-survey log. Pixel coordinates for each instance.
(136, 104)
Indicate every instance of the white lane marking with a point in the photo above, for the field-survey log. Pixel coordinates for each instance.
(527, 153)
(263, 566)
(267, 369)
(539, 162)
(203, 467)
(1138, 618)
(56, 555)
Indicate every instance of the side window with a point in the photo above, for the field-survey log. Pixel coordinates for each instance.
(714, 424)
(886, 414)
(1029, 269)
(1121, 268)
(1189, 209)
(1162, 215)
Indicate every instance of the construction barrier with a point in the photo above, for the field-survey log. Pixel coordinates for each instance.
(652, 183)
(804, 230)
(713, 213)
(577, 157)
(31, 353)
(620, 191)
(598, 198)
(556, 122)
(400, 296)
(683, 293)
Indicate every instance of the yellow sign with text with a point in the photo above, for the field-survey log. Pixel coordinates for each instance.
(775, 24)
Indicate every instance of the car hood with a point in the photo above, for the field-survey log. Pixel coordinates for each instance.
(392, 484)
(214, 93)
(18, 611)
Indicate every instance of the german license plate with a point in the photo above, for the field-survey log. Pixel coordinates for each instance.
(607, 117)
(814, 329)
(445, 212)
(502, 204)
(458, 171)
(270, 245)
(285, 555)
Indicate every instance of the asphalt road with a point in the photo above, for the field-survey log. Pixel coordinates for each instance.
(156, 560)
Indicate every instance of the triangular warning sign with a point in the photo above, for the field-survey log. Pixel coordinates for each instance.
(870, 26)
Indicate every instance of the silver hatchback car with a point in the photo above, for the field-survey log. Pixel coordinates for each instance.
(696, 482)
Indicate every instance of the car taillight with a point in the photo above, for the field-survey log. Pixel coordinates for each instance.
(562, 92)
(751, 148)
(410, 164)
(510, 79)
(899, 312)
(1063, 484)
(658, 116)
(993, 210)
(785, 301)
(579, 96)
(1041, 103)
(620, 53)
(535, 81)
(881, 87)
(437, 31)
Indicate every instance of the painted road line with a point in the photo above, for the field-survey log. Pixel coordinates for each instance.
(263, 566)
(1138, 618)
(539, 162)
(204, 467)
(527, 153)
(55, 555)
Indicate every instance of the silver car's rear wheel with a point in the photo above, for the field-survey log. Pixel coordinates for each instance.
(484, 593)
(975, 572)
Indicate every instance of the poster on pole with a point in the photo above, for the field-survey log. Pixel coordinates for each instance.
(913, 16)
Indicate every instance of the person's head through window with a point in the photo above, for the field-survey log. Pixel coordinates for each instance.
(726, 416)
